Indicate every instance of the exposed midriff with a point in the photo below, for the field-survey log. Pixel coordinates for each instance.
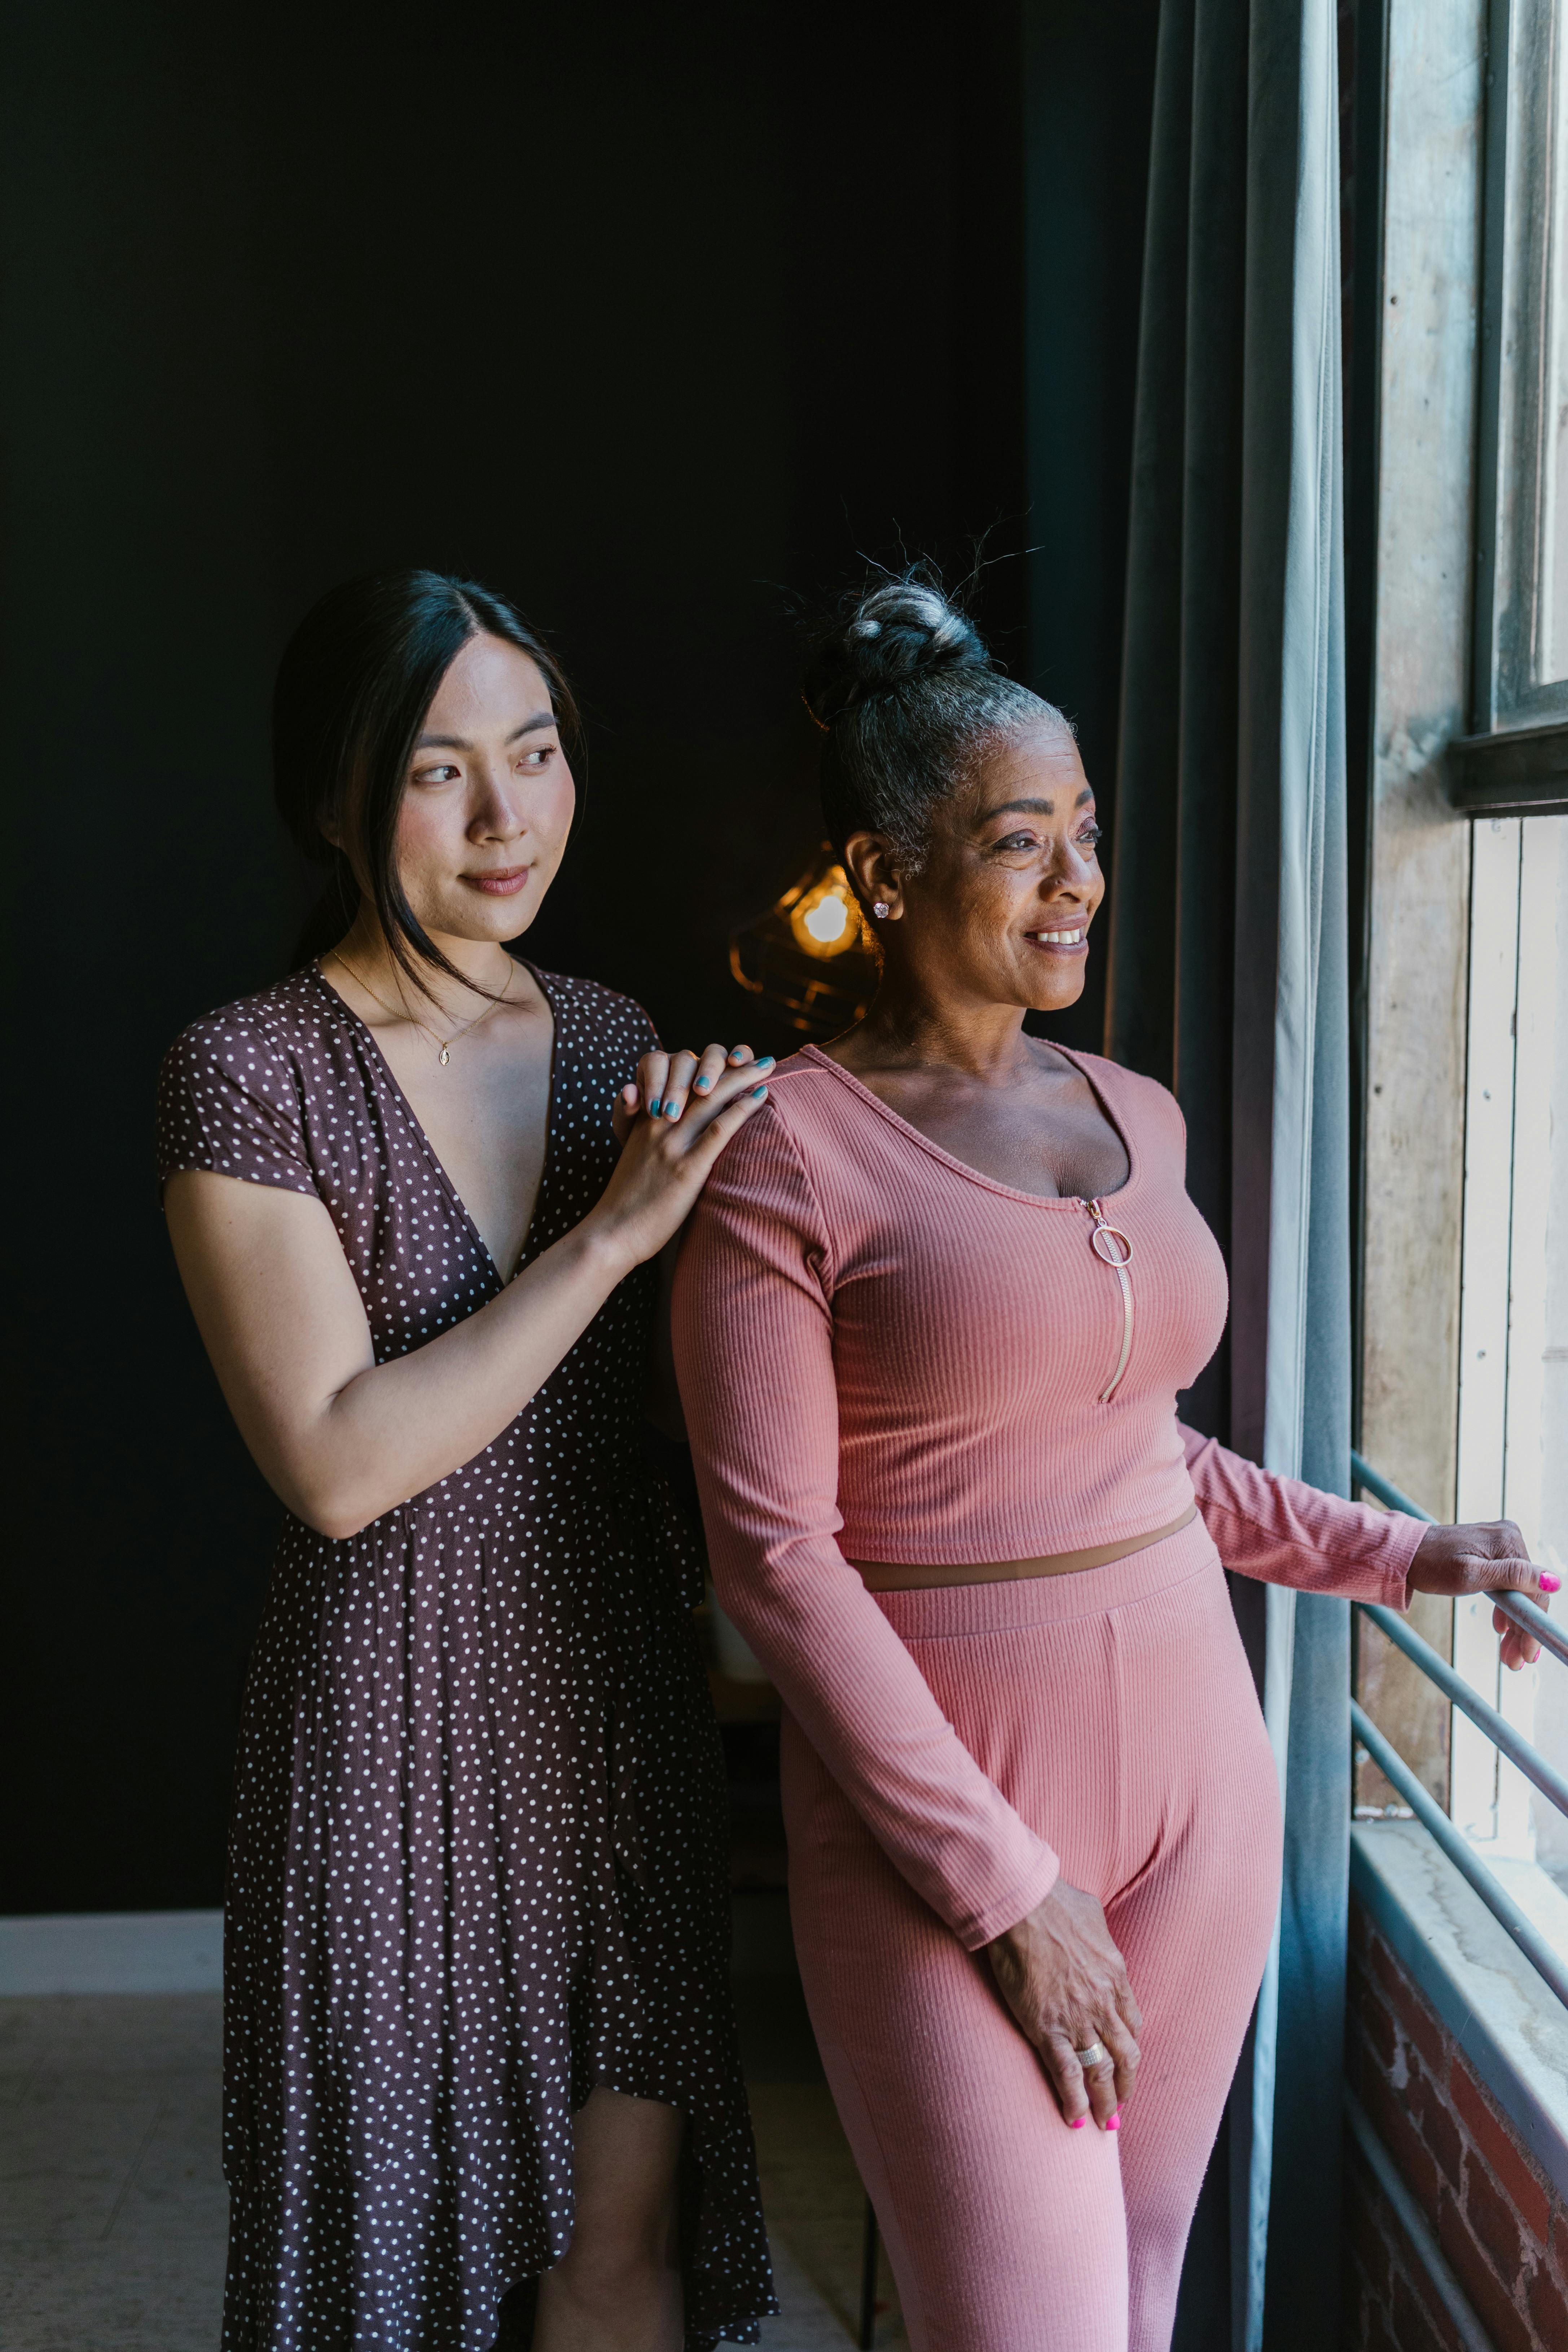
(888, 1576)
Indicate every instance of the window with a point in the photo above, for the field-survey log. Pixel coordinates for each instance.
(1513, 1328)
(1517, 756)
(1514, 1331)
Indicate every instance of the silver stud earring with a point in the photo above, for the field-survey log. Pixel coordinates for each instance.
(880, 907)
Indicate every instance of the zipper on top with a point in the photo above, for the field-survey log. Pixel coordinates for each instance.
(1113, 1249)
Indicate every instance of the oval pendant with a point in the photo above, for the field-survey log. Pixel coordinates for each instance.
(445, 1056)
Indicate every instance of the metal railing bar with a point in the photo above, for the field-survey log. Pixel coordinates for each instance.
(1472, 2336)
(1430, 1814)
(1532, 1621)
(1385, 1490)
(1520, 1611)
(1510, 1743)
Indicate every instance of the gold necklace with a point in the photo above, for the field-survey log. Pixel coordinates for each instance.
(443, 1046)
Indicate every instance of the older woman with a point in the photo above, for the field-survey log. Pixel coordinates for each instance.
(931, 1319)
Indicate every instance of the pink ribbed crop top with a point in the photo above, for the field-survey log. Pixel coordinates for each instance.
(885, 1355)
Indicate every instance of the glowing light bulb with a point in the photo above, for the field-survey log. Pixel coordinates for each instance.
(813, 953)
(823, 915)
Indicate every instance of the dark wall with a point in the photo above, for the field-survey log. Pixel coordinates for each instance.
(1088, 84)
(650, 318)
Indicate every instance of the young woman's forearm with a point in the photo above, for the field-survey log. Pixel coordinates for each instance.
(398, 1427)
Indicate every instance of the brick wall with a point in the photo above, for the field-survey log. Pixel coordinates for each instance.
(1504, 2228)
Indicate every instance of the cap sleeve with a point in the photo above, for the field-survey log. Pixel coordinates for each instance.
(228, 1100)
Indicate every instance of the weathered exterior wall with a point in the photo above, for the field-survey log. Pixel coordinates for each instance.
(1502, 2226)
(1420, 851)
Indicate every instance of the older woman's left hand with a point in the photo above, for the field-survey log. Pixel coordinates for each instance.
(1491, 1557)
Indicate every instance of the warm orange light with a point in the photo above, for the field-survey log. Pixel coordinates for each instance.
(826, 919)
(812, 954)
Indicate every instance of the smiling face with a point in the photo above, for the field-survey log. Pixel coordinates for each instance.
(1000, 911)
(488, 798)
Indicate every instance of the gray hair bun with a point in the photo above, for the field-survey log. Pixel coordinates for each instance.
(900, 683)
(883, 639)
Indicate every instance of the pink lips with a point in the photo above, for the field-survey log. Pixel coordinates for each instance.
(503, 883)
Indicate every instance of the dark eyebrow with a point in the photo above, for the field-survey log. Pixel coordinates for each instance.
(461, 743)
(1032, 808)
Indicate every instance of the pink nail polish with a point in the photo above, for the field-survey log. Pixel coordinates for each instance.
(1115, 2123)
(1550, 1583)
(1077, 2122)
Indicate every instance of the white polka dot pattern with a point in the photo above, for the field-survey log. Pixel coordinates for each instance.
(477, 1860)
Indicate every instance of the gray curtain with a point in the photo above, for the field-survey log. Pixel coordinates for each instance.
(1228, 981)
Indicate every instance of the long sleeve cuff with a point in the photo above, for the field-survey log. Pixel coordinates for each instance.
(1004, 1914)
(1282, 1531)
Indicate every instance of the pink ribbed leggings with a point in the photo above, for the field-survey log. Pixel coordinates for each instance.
(1116, 1711)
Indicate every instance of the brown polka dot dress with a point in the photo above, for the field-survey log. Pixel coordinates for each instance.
(477, 1863)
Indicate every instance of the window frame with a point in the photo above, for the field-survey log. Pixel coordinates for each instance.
(1515, 760)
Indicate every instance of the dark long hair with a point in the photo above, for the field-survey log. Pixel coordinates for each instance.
(357, 679)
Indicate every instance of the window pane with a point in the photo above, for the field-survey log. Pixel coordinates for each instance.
(1513, 1395)
(1521, 645)
(1554, 660)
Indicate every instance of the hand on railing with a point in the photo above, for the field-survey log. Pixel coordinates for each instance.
(1491, 1558)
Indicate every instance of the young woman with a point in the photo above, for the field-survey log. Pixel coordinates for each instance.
(477, 2027)
(1034, 1839)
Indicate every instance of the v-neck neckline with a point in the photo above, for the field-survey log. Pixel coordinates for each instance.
(814, 1054)
(417, 1124)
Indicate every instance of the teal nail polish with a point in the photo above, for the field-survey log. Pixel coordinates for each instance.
(703, 1085)
(757, 1093)
(653, 1108)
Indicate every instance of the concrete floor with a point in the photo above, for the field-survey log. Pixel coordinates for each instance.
(112, 2206)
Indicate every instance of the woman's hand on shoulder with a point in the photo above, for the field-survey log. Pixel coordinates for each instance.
(1066, 1984)
(671, 1125)
(1492, 1557)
